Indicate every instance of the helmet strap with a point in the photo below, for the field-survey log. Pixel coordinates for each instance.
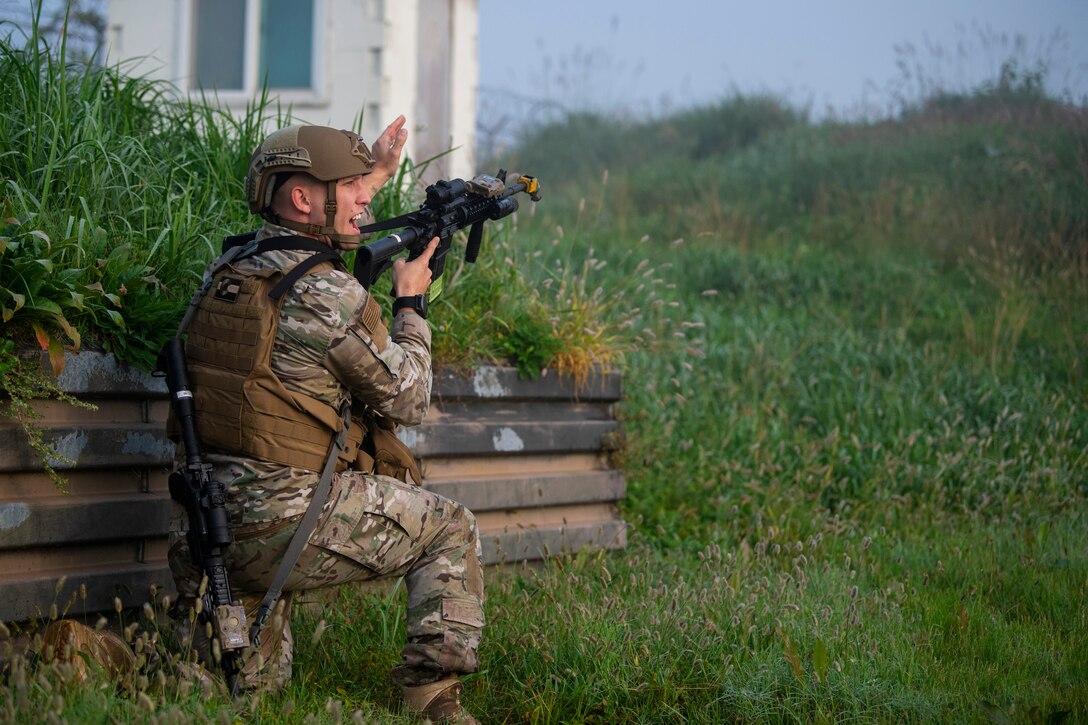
(330, 221)
(328, 233)
(330, 205)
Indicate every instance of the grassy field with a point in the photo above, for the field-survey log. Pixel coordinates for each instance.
(856, 418)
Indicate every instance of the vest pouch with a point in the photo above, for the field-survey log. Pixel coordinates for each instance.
(347, 457)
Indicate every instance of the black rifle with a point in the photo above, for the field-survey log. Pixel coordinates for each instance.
(450, 205)
(209, 528)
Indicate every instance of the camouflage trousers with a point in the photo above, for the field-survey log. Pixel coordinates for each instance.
(372, 527)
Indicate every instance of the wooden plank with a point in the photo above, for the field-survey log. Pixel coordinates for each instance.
(96, 373)
(157, 411)
(54, 561)
(535, 544)
(545, 517)
(458, 409)
(33, 596)
(82, 520)
(33, 486)
(128, 444)
(439, 468)
(503, 382)
(147, 445)
(58, 412)
(481, 438)
(489, 494)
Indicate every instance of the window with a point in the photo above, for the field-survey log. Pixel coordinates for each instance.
(243, 45)
(219, 54)
(287, 43)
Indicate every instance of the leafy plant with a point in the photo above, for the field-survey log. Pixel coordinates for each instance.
(23, 382)
(529, 344)
(34, 291)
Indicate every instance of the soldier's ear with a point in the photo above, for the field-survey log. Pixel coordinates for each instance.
(301, 198)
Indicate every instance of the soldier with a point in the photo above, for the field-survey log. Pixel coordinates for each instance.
(270, 375)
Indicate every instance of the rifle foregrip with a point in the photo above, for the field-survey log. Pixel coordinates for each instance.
(475, 239)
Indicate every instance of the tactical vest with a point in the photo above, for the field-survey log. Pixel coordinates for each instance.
(240, 404)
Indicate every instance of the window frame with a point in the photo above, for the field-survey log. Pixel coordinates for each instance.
(251, 84)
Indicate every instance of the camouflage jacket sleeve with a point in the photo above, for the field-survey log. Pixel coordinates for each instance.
(391, 373)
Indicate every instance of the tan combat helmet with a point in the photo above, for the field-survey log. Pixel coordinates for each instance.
(325, 153)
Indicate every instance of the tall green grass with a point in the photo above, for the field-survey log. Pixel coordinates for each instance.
(116, 192)
(119, 187)
(880, 333)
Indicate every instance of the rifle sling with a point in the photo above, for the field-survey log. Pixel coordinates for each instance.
(382, 226)
(290, 243)
(321, 253)
(246, 245)
(301, 269)
(306, 527)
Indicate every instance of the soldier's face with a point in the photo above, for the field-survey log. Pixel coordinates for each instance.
(353, 197)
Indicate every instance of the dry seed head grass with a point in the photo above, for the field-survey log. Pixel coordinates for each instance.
(42, 672)
(600, 320)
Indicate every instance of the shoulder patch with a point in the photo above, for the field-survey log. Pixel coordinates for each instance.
(372, 322)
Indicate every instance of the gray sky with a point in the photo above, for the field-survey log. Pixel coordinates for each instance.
(839, 54)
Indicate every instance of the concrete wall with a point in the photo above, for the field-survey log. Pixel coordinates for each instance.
(371, 52)
(530, 458)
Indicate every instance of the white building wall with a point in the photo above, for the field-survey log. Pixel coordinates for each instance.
(353, 63)
(368, 66)
(139, 35)
(401, 67)
(465, 82)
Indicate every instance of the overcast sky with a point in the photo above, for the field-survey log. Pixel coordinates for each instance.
(839, 54)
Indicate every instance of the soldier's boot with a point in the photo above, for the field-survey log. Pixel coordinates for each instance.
(439, 701)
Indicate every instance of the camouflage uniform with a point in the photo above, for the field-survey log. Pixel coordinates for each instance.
(372, 526)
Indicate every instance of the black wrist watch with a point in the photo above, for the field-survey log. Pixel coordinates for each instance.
(415, 302)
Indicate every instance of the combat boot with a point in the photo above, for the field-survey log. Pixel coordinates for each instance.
(439, 702)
